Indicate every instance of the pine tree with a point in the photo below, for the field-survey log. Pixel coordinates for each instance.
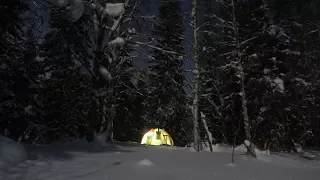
(110, 64)
(66, 55)
(274, 72)
(212, 103)
(232, 38)
(20, 108)
(165, 105)
(288, 34)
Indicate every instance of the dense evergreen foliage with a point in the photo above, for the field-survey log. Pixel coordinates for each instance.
(256, 56)
(165, 105)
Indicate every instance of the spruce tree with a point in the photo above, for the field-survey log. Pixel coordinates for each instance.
(166, 102)
(20, 108)
(66, 55)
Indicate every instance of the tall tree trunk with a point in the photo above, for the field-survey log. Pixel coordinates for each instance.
(242, 85)
(244, 104)
(111, 130)
(196, 79)
(209, 134)
(245, 113)
(94, 113)
(102, 110)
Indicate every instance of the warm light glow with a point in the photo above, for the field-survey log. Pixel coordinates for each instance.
(150, 138)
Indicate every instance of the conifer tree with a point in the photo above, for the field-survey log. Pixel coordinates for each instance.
(166, 103)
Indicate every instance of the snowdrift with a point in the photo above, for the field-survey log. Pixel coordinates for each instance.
(77, 161)
(11, 152)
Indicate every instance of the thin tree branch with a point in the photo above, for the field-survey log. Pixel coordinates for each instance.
(145, 54)
(76, 56)
(154, 47)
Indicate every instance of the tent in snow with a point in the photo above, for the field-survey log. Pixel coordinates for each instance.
(157, 137)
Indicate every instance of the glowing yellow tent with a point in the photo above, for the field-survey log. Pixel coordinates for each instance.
(157, 137)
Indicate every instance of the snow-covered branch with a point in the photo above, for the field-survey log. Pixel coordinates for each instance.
(130, 17)
(312, 31)
(76, 56)
(119, 11)
(74, 8)
(220, 19)
(216, 107)
(248, 40)
(148, 56)
(154, 47)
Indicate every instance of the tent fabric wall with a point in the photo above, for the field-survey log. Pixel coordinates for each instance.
(157, 137)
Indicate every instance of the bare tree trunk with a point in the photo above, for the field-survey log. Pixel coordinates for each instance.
(196, 79)
(235, 140)
(109, 128)
(242, 85)
(111, 131)
(209, 134)
(93, 115)
(107, 22)
(244, 104)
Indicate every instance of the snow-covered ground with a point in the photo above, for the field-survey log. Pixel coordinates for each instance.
(121, 161)
(11, 153)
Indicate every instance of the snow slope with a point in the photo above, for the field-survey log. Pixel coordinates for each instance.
(11, 153)
(79, 161)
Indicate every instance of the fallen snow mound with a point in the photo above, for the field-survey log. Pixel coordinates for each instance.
(11, 152)
(145, 162)
(227, 148)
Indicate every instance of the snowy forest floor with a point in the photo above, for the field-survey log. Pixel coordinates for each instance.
(117, 161)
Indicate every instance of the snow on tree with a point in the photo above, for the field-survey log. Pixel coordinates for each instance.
(236, 56)
(111, 65)
(114, 9)
(74, 8)
(279, 84)
(105, 73)
(208, 133)
(245, 63)
(118, 41)
(302, 81)
(60, 3)
(165, 105)
(196, 88)
(19, 72)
